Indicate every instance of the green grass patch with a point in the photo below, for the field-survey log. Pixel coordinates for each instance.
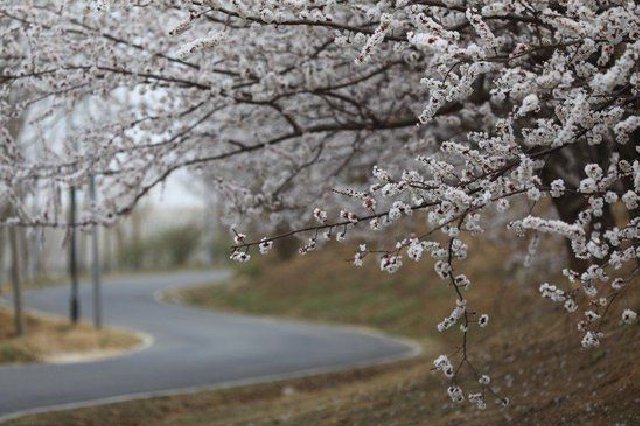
(323, 286)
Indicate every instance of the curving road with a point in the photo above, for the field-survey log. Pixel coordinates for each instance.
(192, 348)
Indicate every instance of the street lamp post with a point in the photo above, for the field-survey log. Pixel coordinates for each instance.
(74, 303)
(95, 259)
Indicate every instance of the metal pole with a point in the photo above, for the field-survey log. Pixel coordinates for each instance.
(74, 304)
(95, 260)
(18, 315)
(210, 226)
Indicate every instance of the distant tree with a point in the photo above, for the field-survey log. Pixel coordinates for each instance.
(462, 107)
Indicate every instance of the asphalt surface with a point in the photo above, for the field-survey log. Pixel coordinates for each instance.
(191, 348)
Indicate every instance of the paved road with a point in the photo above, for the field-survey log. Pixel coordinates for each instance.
(192, 348)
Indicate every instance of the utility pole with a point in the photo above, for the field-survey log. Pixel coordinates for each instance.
(18, 314)
(74, 304)
(95, 259)
(107, 250)
(210, 226)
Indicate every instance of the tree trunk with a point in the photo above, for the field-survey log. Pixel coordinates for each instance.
(568, 165)
(568, 206)
(18, 315)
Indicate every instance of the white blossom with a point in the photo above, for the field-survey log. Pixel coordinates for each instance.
(265, 246)
(484, 320)
(629, 316)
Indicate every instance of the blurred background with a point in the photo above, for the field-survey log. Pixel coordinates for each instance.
(174, 228)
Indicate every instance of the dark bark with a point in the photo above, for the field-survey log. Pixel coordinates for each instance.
(568, 165)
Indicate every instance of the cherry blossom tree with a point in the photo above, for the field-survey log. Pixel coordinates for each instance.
(459, 108)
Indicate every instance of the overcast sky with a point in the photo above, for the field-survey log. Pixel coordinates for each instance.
(177, 192)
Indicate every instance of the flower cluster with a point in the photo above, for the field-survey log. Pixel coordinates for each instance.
(456, 314)
(443, 364)
(390, 263)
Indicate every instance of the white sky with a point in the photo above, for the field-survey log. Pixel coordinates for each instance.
(178, 192)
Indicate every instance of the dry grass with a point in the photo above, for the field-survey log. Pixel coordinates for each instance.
(48, 338)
